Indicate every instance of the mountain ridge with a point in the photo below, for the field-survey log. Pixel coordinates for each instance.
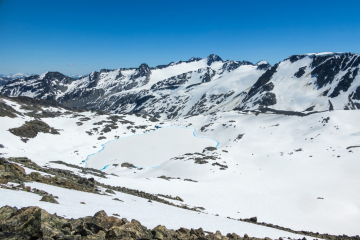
(317, 81)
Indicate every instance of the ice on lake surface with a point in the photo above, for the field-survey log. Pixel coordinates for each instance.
(149, 150)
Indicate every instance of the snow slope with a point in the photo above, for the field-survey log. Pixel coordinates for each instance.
(318, 81)
(296, 172)
(134, 208)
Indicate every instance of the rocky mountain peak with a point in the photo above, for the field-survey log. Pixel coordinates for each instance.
(142, 71)
(263, 65)
(49, 76)
(213, 58)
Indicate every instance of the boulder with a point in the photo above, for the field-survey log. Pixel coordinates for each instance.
(209, 149)
(253, 219)
(128, 165)
(109, 191)
(233, 236)
(104, 222)
(131, 230)
(161, 232)
(49, 198)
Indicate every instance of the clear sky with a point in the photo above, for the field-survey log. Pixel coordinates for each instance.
(80, 36)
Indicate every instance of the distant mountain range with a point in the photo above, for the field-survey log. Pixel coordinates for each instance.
(16, 75)
(300, 83)
(5, 78)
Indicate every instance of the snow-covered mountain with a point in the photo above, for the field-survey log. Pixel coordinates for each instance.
(15, 75)
(4, 78)
(309, 82)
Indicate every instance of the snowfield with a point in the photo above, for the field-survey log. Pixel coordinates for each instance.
(295, 172)
(290, 171)
(149, 214)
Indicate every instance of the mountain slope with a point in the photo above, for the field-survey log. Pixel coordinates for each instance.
(310, 82)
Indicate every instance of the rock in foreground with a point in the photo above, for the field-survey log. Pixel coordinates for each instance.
(35, 223)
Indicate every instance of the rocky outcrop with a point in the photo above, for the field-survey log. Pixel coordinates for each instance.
(31, 128)
(11, 172)
(36, 223)
(49, 198)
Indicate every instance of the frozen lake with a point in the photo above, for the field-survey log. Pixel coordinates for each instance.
(150, 149)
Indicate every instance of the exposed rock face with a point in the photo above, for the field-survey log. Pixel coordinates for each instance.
(213, 58)
(11, 172)
(300, 73)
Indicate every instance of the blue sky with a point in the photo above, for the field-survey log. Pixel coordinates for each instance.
(80, 36)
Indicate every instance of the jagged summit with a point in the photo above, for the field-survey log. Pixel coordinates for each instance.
(144, 68)
(143, 71)
(213, 58)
